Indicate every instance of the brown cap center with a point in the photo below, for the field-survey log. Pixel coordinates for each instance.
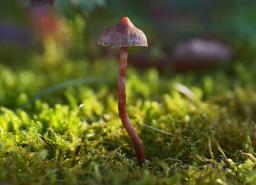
(126, 21)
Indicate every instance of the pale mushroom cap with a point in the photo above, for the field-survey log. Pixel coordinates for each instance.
(123, 34)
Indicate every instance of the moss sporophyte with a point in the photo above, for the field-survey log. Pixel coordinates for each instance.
(124, 35)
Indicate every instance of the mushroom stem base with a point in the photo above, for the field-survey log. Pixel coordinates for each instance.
(136, 141)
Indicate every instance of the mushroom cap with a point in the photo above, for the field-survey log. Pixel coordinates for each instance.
(123, 34)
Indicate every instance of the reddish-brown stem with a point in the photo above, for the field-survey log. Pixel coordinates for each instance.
(136, 141)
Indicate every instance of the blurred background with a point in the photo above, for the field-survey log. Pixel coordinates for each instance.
(56, 40)
(184, 35)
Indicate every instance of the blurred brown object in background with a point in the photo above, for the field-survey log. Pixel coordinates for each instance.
(50, 29)
(46, 22)
(194, 54)
(199, 54)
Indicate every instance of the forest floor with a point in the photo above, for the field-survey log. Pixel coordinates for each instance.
(59, 124)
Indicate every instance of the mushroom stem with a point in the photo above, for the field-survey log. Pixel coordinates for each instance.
(136, 141)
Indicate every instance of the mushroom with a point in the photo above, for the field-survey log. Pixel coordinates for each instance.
(124, 35)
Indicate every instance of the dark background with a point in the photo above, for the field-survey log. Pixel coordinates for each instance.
(75, 25)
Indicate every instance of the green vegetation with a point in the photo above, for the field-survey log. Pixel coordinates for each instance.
(207, 137)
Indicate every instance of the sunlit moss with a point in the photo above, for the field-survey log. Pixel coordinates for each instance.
(72, 134)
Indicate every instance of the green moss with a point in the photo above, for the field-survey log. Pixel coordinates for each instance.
(205, 135)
